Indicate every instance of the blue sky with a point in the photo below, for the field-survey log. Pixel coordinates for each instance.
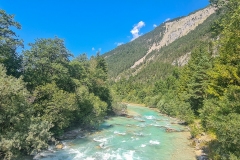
(91, 25)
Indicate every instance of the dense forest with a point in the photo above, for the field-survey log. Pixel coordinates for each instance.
(205, 92)
(45, 90)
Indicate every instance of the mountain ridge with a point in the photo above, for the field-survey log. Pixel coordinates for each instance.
(174, 31)
(132, 54)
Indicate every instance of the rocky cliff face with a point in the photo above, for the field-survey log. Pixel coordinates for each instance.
(177, 29)
(183, 60)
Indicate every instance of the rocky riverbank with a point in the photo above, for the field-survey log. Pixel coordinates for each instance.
(200, 144)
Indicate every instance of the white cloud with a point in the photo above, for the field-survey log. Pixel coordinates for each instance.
(119, 43)
(136, 29)
(154, 25)
(93, 48)
(167, 19)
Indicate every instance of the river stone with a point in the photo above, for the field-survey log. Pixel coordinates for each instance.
(171, 130)
(59, 146)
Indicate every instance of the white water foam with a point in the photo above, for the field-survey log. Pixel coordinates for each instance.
(116, 132)
(116, 154)
(139, 119)
(154, 142)
(106, 156)
(156, 125)
(65, 145)
(134, 138)
(110, 155)
(100, 139)
(46, 153)
(150, 117)
(79, 155)
(89, 158)
(128, 155)
(139, 134)
(73, 151)
(143, 145)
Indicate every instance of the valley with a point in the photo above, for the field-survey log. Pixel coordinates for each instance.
(185, 73)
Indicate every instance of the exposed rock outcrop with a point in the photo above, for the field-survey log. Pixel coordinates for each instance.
(183, 60)
(177, 29)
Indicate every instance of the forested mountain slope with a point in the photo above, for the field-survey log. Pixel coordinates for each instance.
(137, 52)
(160, 62)
(195, 78)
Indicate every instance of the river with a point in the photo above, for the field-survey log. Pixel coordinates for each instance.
(141, 137)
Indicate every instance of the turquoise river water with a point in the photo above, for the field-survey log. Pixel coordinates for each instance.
(141, 137)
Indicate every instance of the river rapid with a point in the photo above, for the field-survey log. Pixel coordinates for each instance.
(142, 136)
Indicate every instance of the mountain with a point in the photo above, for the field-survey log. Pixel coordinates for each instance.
(129, 59)
(188, 68)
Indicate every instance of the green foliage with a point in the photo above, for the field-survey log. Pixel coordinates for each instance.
(66, 92)
(20, 132)
(196, 128)
(91, 109)
(54, 105)
(55, 95)
(194, 79)
(227, 131)
(172, 105)
(47, 61)
(77, 71)
(9, 43)
(98, 80)
(221, 110)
